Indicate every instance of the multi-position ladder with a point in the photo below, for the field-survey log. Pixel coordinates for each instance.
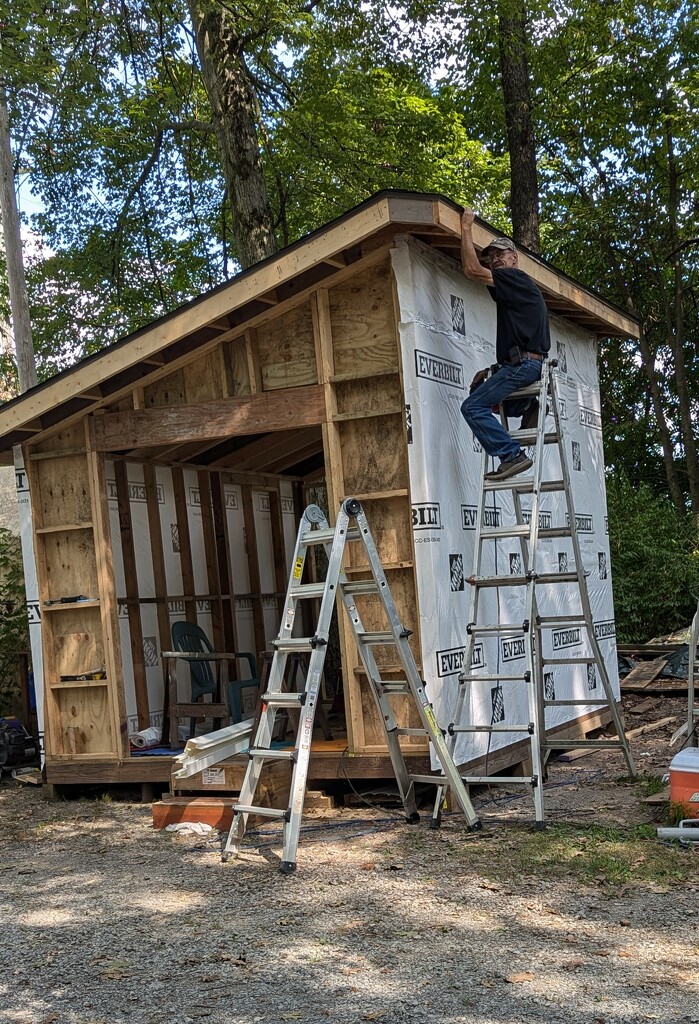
(314, 530)
(533, 635)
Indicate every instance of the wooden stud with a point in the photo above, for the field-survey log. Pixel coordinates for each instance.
(208, 529)
(223, 561)
(253, 570)
(157, 558)
(186, 564)
(132, 594)
(107, 591)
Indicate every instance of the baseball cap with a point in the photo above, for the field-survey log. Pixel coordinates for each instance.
(499, 243)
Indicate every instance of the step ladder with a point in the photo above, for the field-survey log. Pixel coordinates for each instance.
(535, 632)
(315, 531)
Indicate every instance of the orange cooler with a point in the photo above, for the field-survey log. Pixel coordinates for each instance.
(684, 780)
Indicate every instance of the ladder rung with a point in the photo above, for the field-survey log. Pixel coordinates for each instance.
(272, 754)
(266, 812)
(327, 536)
(575, 703)
(516, 530)
(410, 732)
(490, 728)
(395, 686)
(508, 780)
(562, 620)
(569, 661)
(382, 637)
(293, 644)
(522, 483)
(352, 587)
(529, 437)
(510, 628)
(430, 780)
(306, 590)
(522, 581)
(467, 677)
(524, 530)
(284, 699)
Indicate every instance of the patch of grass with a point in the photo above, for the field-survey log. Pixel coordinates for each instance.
(594, 854)
(652, 784)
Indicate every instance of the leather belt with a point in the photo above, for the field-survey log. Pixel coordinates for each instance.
(533, 355)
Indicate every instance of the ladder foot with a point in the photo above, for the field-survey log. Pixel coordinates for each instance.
(287, 867)
(539, 826)
(477, 826)
(413, 818)
(225, 857)
(436, 822)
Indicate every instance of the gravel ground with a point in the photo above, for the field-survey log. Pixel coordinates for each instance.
(106, 921)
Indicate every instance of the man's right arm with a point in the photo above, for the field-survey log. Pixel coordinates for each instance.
(469, 257)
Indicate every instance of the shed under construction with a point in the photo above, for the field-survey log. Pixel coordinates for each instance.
(164, 477)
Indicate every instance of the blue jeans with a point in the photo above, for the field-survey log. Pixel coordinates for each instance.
(476, 409)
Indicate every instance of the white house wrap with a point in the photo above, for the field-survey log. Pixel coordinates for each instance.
(447, 333)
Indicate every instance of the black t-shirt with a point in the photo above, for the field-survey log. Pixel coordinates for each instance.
(523, 319)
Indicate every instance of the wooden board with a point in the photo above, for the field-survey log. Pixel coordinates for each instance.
(282, 410)
(83, 720)
(642, 675)
(373, 455)
(203, 379)
(363, 328)
(62, 493)
(285, 351)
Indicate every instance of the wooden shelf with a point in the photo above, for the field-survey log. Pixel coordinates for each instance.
(65, 527)
(77, 684)
(70, 605)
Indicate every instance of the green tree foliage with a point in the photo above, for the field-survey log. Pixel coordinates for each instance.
(14, 624)
(115, 126)
(655, 559)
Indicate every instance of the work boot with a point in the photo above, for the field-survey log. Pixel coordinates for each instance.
(510, 467)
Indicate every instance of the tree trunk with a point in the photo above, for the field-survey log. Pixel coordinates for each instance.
(676, 320)
(234, 108)
(17, 286)
(524, 187)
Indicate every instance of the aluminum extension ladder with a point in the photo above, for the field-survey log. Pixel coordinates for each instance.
(314, 530)
(535, 628)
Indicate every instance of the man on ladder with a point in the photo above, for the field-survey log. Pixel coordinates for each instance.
(522, 342)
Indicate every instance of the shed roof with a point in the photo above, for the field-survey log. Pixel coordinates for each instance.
(281, 280)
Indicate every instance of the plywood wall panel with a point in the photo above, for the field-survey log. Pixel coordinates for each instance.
(363, 323)
(373, 455)
(286, 351)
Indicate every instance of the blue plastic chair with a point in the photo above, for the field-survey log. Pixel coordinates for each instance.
(191, 638)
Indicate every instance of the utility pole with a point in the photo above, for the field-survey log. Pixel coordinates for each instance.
(21, 324)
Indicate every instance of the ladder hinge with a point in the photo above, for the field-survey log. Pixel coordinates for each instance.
(525, 626)
(318, 641)
(405, 633)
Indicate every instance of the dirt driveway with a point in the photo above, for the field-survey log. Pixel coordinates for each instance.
(592, 921)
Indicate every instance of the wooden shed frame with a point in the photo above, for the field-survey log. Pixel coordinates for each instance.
(290, 371)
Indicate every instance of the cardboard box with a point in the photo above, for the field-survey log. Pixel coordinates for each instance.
(684, 781)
